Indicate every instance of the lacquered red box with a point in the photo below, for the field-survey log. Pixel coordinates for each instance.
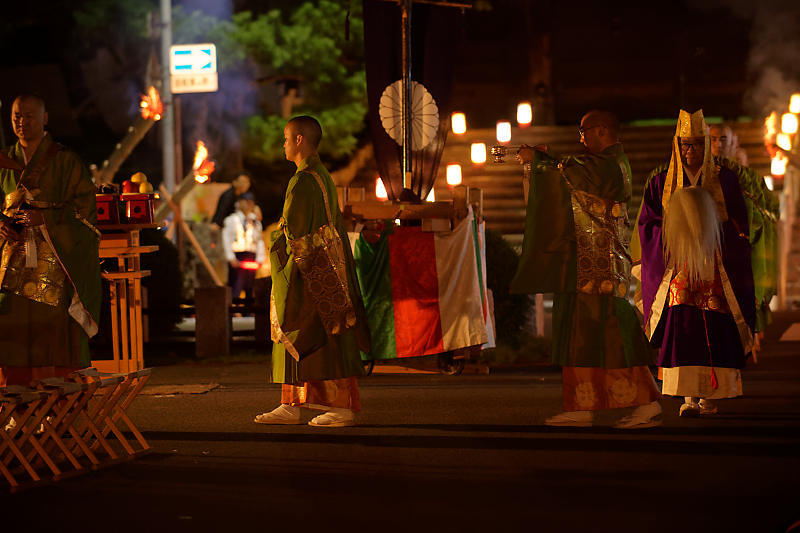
(139, 208)
(107, 208)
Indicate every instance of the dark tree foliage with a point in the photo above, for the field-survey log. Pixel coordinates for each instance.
(511, 311)
(163, 285)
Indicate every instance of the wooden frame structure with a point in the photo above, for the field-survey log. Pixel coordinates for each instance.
(121, 242)
(66, 427)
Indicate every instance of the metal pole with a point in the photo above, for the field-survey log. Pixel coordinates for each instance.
(168, 118)
(405, 96)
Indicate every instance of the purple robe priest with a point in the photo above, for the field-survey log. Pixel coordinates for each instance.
(697, 282)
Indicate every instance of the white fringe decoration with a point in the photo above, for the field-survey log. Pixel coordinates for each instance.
(692, 233)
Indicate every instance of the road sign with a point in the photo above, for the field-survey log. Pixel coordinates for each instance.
(193, 83)
(193, 68)
(193, 59)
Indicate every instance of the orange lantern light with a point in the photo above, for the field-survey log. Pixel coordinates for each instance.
(524, 114)
(503, 131)
(380, 190)
(453, 174)
(778, 165)
(789, 123)
(783, 141)
(458, 122)
(478, 153)
(794, 103)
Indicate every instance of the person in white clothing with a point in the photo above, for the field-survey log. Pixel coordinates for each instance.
(244, 245)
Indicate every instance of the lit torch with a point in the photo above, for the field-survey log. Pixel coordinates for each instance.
(771, 131)
(151, 104)
(202, 168)
(151, 109)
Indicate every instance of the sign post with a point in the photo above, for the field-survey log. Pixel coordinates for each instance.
(192, 69)
(168, 116)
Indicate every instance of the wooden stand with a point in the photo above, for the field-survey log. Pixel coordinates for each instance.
(121, 241)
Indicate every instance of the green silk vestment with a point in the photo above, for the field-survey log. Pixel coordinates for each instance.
(323, 356)
(576, 246)
(66, 199)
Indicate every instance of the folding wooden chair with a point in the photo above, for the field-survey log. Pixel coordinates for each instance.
(90, 424)
(29, 408)
(115, 393)
(65, 416)
(136, 381)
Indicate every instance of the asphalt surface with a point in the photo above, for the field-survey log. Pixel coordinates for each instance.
(441, 453)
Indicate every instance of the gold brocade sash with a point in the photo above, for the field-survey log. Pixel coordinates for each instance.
(604, 265)
(319, 257)
(706, 295)
(43, 284)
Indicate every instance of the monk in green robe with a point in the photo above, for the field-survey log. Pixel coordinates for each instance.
(576, 246)
(49, 264)
(763, 211)
(317, 367)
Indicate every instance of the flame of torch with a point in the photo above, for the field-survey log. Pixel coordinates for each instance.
(151, 104)
(770, 128)
(778, 166)
(151, 109)
(202, 167)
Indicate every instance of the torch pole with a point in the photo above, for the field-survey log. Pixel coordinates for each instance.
(184, 188)
(123, 149)
(185, 227)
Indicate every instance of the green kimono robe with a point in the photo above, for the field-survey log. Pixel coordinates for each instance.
(323, 356)
(34, 333)
(594, 324)
(763, 210)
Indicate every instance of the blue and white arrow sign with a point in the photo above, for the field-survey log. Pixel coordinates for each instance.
(193, 59)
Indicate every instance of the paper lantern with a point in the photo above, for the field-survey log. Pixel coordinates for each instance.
(524, 114)
(380, 190)
(458, 122)
(503, 131)
(478, 153)
(453, 174)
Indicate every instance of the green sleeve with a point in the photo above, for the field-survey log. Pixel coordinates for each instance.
(77, 243)
(303, 206)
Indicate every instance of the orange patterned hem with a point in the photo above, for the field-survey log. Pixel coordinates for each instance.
(339, 393)
(592, 389)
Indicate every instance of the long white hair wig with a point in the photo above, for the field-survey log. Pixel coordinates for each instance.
(692, 233)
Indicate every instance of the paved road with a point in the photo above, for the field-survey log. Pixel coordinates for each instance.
(443, 453)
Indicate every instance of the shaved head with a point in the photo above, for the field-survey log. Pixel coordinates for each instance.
(599, 130)
(32, 99)
(28, 119)
(600, 117)
(309, 128)
(723, 140)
